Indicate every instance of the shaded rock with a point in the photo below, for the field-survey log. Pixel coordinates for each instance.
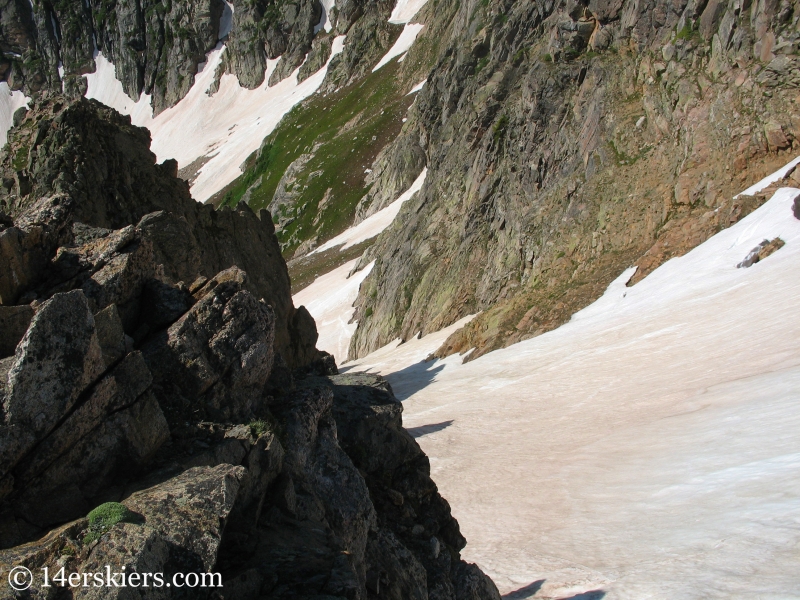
(14, 321)
(215, 359)
(58, 358)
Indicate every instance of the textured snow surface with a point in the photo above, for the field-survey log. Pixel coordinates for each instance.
(375, 224)
(226, 127)
(330, 300)
(9, 103)
(648, 448)
(405, 10)
(401, 46)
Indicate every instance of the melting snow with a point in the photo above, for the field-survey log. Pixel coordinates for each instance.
(402, 45)
(648, 448)
(9, 103)
(227, 127)
(417, 87)
(375, 224)
(325, 21)
(330, 299)
(405, 10)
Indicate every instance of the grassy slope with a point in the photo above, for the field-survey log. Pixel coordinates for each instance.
(377, 105)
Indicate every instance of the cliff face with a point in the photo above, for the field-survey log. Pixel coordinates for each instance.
(163, 410)
(566, 141)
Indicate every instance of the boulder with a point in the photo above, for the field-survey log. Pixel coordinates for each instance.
(59, 357)
(216, 359)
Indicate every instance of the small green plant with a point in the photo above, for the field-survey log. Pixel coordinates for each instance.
(368, 312)
(547, 58)
(499, 129)
(105, 516)
(259, 427)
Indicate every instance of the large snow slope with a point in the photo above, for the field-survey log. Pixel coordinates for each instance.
(9, 103)
(226, 127)
(646, 449)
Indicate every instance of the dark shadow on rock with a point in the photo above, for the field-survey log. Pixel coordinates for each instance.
(529, 591)
(407, 382)
(418, 432)
(593, 595)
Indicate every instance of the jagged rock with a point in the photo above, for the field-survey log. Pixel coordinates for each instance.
(110, 335)
(58, 358)
(26, 248)
(93, 155)
(218, 356)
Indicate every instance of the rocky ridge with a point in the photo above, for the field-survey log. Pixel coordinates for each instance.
(165, 411)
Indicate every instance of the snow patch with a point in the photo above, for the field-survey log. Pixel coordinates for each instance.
(103, 85)
(227, 126)
(417, 87)
(405, 10)
(770, 179)
(226, 20)
(402, 45)
(374, 224)
(10, 102)
(325, 21)
(330, 301)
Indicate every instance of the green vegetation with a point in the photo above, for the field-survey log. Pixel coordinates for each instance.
(345, 131)
(547, 58)
(499, 129)
(259, 427)
(105, 516)
(21, 158)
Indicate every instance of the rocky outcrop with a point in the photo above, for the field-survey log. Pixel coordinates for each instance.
(91, 185)
(564, 142)
(153, 419)
(156, 46)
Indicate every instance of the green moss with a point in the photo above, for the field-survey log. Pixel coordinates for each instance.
(547, 58)
(21, 158)
(105, 516)
(499, 129)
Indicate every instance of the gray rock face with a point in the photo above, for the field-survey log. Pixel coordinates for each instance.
(561, 138)
(108, 180)
(218, 356)
(155, 46)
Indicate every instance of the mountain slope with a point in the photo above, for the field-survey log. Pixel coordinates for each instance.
(565, 141)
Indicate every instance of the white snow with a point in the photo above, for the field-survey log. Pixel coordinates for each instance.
(417, 87)
(330, 300)
(770, 179)
(325, 21)
(9, 103)
(104, 86)
(402, 45)
(227, 127)
(405, 10)
(648, 448)
(226, 20)
(374, 224)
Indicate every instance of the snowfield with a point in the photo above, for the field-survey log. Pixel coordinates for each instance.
(331, 303)
(647, 449)
(9, 103)
(225, 127)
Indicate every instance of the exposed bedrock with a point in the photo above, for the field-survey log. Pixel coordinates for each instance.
(565, 142)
